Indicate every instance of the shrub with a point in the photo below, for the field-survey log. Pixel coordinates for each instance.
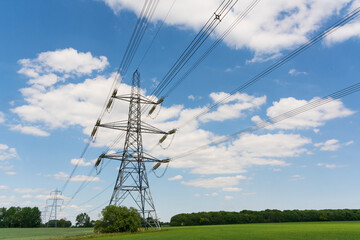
(118, 219)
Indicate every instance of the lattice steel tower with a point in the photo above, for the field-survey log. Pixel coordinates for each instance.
(55, 202)
(132, 180)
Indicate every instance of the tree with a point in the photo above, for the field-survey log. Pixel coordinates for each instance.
(63, 223)
(118, 219)
(30, 217)
(83, 220)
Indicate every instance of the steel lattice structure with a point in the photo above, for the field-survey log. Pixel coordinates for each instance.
(55, 202)
(132, 180)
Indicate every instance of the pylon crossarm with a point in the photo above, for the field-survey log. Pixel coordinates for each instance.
(123, 126)
(140, 99)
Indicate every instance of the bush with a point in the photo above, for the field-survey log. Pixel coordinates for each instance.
(118, 219)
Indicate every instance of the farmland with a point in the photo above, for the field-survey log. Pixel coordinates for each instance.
(268, 231)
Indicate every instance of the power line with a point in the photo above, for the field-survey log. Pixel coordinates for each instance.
(156, 34)
(143, 20)
(271, 121)
(282, 61)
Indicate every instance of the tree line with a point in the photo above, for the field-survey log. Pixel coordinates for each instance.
(16, 217)
(266, 216)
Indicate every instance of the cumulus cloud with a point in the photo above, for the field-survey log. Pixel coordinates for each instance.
(3, 187)
(295, 72)
(215, 194)
(325, 165)
(231, 189)
(283, 24)
(309, 119)
(218, 182)
(228, 197)
(76, 178)
(7, 153)
(31, 130)
(80, 162)
(2, 117)
(177, 177)
(234, 106)
(28, 190)
(329, 145)
(332, 145)
(42, 69)
(296, 177)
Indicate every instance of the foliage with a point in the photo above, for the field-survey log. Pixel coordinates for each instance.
(20, 217)
(62, 223)
(118, 219)
(83, 220)
(267, 216)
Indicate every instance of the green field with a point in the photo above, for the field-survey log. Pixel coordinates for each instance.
(268, 231)
(41, 233)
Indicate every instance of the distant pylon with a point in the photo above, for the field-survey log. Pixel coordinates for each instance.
(132, 180)
(53, 202)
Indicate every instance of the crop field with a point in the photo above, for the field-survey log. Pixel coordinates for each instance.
(268, 231)
(41, 233)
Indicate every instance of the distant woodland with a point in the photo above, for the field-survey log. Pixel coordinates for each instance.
(266, 216)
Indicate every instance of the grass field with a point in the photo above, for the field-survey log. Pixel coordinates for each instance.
(269, 231)
(41, 233)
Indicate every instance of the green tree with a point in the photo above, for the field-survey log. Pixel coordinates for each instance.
(63, 223)
(83, 220)
(118, 219)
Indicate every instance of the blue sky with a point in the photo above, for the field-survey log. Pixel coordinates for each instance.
(57, 63)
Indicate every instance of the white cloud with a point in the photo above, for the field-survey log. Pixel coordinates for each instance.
(218, 182)
(26, 196)
(197, 195)
(248, 193)
(309, 119)
(7, 153)
(10, 173)
(329, 145)
(28, 190)
(228, 197)
(76, 178)
(229, 110)
(332, 145)
(64, 61)
(283, 24)
(3, 187)
(80, 162)
(296, 177)
(2, 117)
(31, 130)
(349, 143)
(329, 165)
(214, 194)
(294, 72)
(177, 177)
(231, 189)
(191, 97)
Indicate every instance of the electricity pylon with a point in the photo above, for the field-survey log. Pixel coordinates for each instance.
(56, 203)
(132, 181)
